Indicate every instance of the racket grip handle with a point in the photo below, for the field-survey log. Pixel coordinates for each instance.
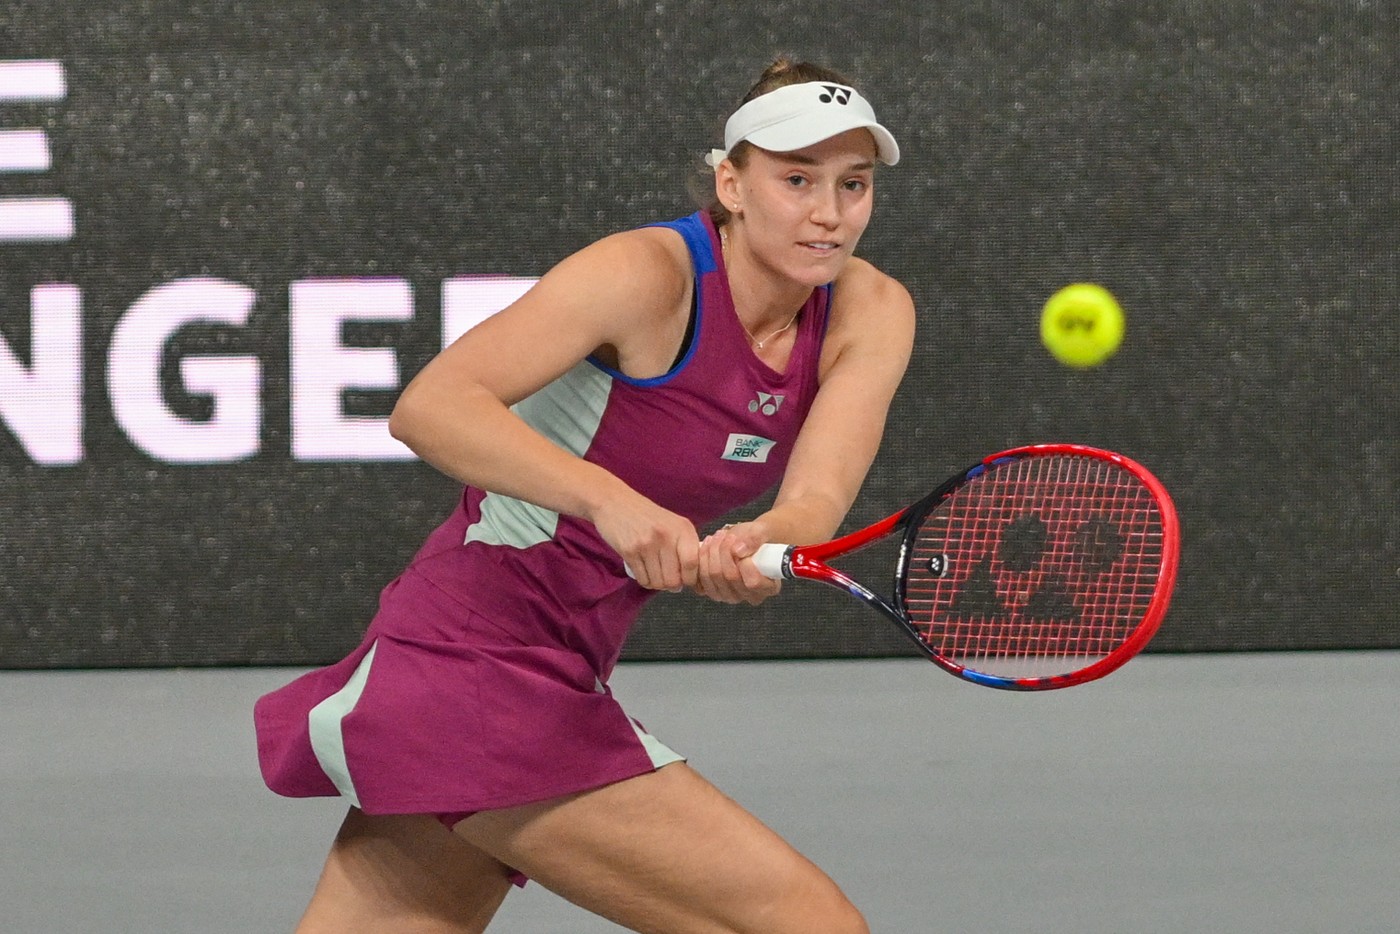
(771, 560)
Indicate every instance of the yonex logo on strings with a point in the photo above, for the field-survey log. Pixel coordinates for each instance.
(834, 92)
(1095, 546)
(766, 403)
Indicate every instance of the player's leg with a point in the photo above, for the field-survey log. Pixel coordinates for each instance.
(403, 873)
(667, 853)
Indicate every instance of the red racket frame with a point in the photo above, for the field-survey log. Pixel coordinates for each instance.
(809, 562)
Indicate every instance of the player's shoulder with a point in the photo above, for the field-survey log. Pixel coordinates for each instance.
(871, 328)
(648, 262)
(863, 289)
(643, 268)
(649, 244)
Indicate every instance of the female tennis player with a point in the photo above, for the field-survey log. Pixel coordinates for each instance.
(646, 386)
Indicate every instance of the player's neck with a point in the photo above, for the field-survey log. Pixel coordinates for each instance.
(765, 301)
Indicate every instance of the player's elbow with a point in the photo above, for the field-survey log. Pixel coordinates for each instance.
(413, 416)
(430, 410)
(403, 416)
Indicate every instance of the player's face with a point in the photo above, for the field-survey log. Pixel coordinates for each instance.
(803, 212)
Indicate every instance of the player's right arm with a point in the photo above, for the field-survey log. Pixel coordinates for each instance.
(625, 292)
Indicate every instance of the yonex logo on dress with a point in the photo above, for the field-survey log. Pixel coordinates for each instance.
(766, 403)
(835, 91)
(748, 448)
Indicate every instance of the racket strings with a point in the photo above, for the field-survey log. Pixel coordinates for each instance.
(1040, 567)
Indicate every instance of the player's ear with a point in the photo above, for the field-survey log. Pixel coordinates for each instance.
(727, 186)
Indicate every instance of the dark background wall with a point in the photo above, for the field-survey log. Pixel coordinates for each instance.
(1227, 169)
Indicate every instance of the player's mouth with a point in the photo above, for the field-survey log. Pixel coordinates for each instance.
(820, 247)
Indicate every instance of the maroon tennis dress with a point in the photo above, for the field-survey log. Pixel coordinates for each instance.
(482, 680)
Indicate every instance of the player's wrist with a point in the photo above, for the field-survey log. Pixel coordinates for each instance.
(789, 524)
(601, 493)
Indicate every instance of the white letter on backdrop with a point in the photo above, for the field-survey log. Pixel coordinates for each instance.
(133, 375)
(323, 367)
(43, 403)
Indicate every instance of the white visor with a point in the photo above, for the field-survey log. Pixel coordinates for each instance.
(801, 115)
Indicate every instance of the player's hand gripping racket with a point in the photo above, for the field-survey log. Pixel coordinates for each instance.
(1040, 567)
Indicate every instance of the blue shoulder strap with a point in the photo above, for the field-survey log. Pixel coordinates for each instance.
(697, 240)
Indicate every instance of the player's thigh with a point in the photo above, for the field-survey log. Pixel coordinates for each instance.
(667, 852)
(404, 873)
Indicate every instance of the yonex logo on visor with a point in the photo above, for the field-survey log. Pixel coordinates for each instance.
(798, 115)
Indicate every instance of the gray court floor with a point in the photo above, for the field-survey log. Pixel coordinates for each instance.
(1236, 793)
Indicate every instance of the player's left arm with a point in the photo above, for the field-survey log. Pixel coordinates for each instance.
(869, 340)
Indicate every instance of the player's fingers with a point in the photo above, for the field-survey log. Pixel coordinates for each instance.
(738, 579)
(667, 569)
(733, 548)
(746, 540)
(713, 559)
(758, 585)
(648, 566)
(646, 570)
(675, 554)
(688, 558)
(700, 567)
(740, 583)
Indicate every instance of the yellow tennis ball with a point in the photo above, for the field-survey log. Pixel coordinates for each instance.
(1082, 325)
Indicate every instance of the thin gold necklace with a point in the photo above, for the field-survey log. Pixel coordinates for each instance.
(724, 249)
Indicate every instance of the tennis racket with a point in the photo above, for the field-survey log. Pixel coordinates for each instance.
(1041, 567)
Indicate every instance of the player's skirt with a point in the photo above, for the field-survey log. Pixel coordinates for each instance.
(439, 710)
